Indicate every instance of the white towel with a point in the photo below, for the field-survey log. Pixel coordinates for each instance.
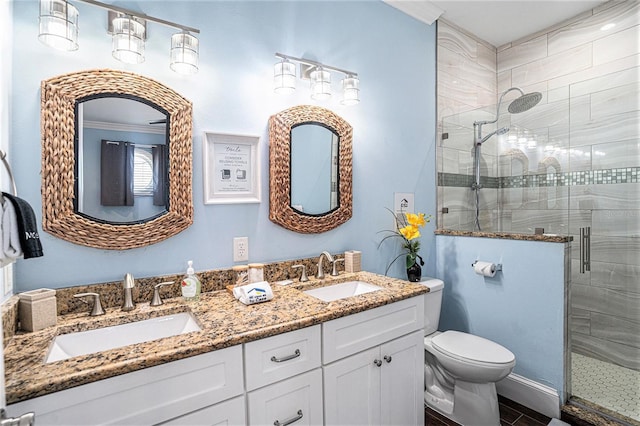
(11, 248)
(253, 293)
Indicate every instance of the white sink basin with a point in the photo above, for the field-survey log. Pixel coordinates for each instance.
(102, 339)
(342, 290)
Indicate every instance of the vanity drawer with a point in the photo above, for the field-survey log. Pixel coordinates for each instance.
(297, 400)
(278, 357)
(347, 335)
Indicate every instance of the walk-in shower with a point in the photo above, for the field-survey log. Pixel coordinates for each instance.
(523, 103)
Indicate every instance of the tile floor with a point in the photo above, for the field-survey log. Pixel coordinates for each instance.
(608, 385)
(511, 414)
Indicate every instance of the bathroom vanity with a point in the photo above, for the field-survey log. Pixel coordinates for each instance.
(296, 358)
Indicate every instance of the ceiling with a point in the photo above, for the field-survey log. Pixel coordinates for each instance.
(497, 22)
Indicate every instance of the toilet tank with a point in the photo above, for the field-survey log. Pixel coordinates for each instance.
(432, 304)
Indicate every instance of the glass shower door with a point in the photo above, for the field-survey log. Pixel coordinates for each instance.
(604, 219)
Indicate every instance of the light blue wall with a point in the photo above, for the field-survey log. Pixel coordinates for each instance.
(394, 125)
(522, 307)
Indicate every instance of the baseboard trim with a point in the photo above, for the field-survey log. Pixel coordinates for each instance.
(531, 394)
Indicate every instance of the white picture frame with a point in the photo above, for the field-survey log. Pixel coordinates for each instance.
(231, 168)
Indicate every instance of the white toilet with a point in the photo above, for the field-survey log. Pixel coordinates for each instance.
(461, 369)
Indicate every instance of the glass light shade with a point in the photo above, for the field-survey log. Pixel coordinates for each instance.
(320, 84)
(128, 40)
(284, 77)
(184, 53)
(350, 90)
(58, 24)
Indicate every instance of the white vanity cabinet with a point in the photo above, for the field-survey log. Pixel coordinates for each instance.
(148, 396)
(284, 378)
(384, 383)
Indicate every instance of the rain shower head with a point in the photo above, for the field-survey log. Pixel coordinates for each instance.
(524, 102)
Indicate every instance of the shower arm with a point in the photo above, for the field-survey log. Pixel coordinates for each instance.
(482, 123)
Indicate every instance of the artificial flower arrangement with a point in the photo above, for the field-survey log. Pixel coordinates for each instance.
(408, 228)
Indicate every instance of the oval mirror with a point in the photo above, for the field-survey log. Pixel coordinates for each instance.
(314, 169)
(310, 167)
(121, 161)
(73, 206)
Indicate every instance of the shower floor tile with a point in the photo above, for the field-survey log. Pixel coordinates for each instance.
(608, 385)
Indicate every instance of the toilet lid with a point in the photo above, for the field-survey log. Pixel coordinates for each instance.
(475, 348)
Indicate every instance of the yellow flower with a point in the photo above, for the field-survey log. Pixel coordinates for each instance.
(410, 232)
(416, 219)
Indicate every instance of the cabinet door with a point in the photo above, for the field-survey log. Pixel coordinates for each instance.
(402, 380)
(296, 401)
(229, 412)
(352, 390)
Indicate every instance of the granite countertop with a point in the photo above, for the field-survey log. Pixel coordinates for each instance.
(549, 238)
(224, 321)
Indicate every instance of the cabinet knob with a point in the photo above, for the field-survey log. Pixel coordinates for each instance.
(387, 358)
(377, 362)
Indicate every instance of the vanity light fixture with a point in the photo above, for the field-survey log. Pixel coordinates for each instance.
(58, 23)
(320, 84)
(284, 76)
(59, 29)
(184, 53)
(128, 40)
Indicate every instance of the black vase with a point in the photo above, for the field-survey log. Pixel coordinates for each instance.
(414, 272)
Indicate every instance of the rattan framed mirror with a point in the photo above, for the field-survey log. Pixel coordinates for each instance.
(59, 97)
(282, 210)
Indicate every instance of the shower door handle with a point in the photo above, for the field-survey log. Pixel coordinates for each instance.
(585, 249)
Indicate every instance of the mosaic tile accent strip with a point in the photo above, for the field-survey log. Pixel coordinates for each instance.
(587, 177)
(465, 181)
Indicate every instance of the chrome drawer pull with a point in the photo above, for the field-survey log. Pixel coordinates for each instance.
(289, 421)
(296, 354)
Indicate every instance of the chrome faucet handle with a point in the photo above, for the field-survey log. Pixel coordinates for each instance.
(127, 285)
(128, 282)
(97, 306)
(157, 300)
(334, 272)
(303, 276)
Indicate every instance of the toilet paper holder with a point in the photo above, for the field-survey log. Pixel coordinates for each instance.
(498, 266)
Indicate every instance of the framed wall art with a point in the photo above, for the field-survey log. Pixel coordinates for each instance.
(231, 168)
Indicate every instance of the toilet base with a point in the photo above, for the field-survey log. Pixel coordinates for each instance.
(470, 404)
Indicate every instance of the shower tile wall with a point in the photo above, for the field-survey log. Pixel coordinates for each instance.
(466, 81)
(572, 161)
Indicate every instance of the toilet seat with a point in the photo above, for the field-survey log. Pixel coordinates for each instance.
(471, 349)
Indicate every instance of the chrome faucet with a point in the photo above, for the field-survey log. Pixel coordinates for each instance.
(127, 285)
(320, 274)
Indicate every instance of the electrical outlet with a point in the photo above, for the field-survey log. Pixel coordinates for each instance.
(240, 249)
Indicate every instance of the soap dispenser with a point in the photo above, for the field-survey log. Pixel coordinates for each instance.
(191, 285)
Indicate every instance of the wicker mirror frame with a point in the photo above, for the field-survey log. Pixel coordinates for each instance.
(58, 100)
(280, 210)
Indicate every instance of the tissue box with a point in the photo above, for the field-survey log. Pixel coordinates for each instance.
(352, 261)
(37, 309)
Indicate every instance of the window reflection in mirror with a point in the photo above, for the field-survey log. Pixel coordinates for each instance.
(121, 160)
(314, 169)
